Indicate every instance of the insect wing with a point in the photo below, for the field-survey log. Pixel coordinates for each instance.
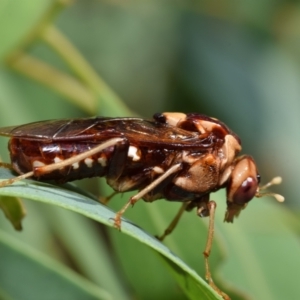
(42, 130)
(157, 135)
(54, 130)
(138, 131)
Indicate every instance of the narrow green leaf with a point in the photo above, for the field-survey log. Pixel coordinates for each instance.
(263, 251)
(74, 201)
(66, 85)
(17, 20)
(27, 274)
(14, 210)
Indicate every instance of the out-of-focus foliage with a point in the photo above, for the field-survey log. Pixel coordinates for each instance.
(237, 61)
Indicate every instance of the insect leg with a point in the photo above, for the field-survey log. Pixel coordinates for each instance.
(105, 200)
(117, 162)
(174, 222)
(212, 208)
(12, 180)
(38, 171)
(6, 165)
(143, 192)
(79, 157)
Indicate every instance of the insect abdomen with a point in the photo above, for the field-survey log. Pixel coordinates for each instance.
(26, 155)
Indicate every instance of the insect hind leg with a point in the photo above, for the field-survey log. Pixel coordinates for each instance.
(77, 158)
(14, 179)
(38, 171)
(211, 205)
(143, 192)
(174, 222)
(10, 181)
(6, 165)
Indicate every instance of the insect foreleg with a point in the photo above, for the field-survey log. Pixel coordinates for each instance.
(174, 222)
(211, 205)
(143, 192)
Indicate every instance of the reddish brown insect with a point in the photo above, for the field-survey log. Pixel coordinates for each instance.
(175, 156)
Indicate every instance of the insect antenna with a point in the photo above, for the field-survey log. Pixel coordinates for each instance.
(274, 181)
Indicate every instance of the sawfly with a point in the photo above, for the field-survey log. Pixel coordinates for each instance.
(174, 156)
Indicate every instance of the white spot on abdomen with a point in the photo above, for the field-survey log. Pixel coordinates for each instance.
(75, 165)
(57, 159)
(37, 164)
(134, 153)
(89, 162)
(102, 161)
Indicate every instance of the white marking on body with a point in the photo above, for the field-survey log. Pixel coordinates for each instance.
(57, 159)
(180, 136)
(225, 175)
(174, 118)
(208, 126)
(75, 165)
(229, 150)
(37, 164)
(102, 161)
(158, 170)
(188, 157)
(205, 126)
(89, 162)
(133, 152)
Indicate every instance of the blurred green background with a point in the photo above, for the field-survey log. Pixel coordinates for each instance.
(236, 61)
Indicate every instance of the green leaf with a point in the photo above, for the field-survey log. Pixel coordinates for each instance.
(14, 210)
(263, 247)
(188, 279)
(27, 274)
(17, 20)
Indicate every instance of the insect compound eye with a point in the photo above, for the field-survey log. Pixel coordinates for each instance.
(245, 192)
(244, 181)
